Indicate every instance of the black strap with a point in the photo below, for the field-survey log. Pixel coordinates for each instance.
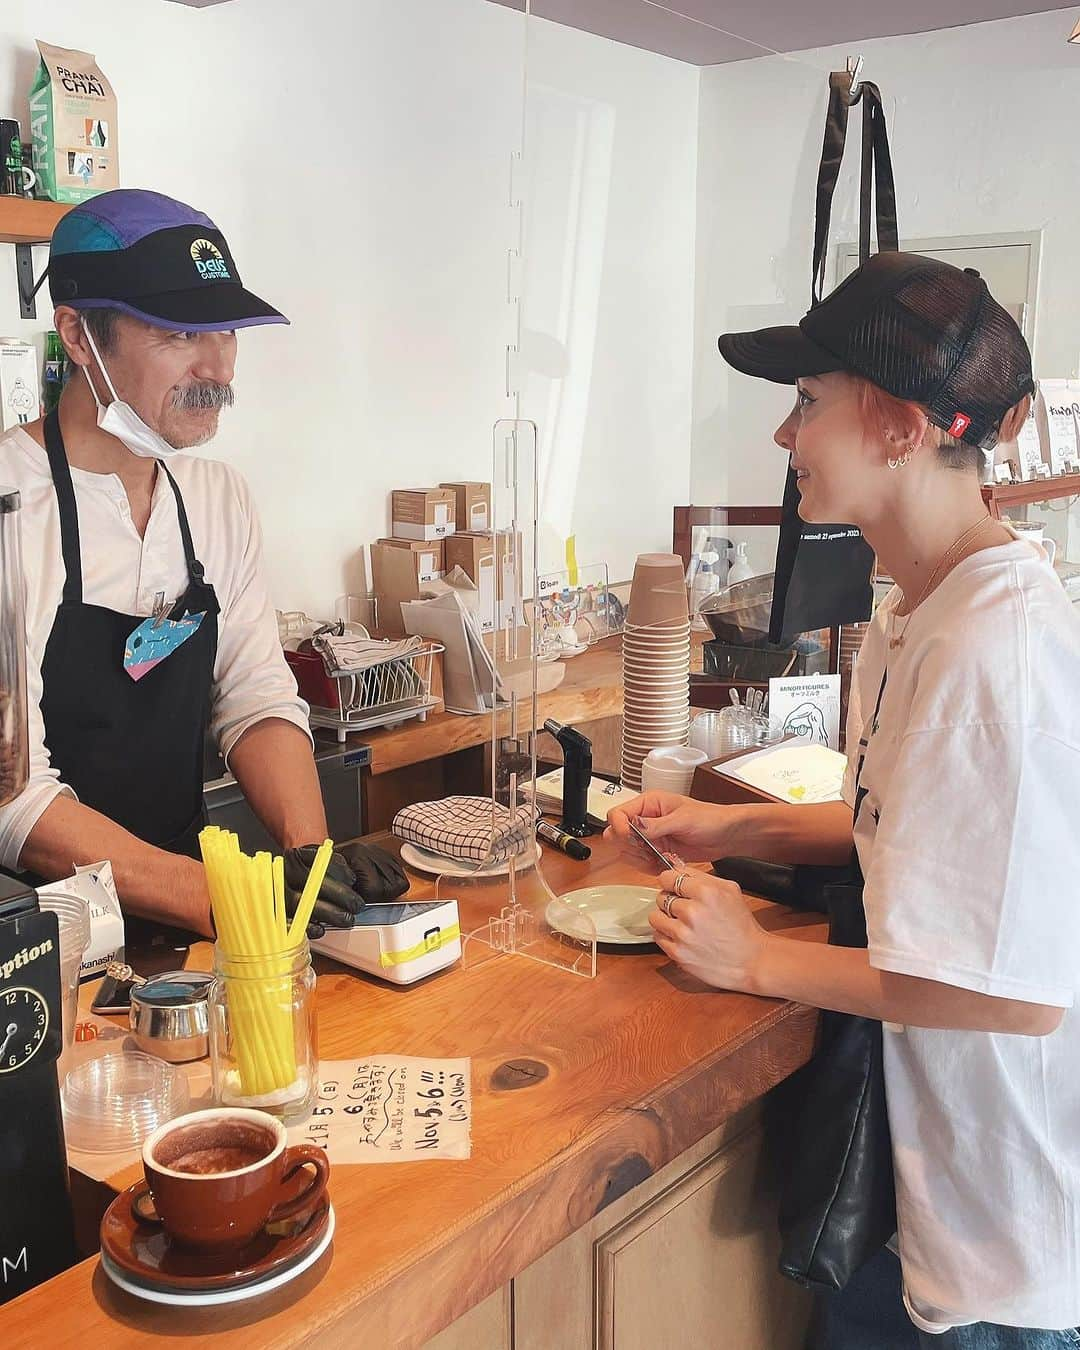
(69, 512)
(864, 743)
(194, 566)
(832, 154)
(69, 515)
(876, 178)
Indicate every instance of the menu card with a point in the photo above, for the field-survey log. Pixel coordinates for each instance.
(390, 1108)
(1029, 447)
(796, 772)
(1062, 406)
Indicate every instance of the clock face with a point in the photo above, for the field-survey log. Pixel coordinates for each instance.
(24, 1020)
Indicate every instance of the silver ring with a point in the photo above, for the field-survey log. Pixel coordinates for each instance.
(666, 902)
(677, 888)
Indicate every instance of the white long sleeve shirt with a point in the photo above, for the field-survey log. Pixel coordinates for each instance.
(124, 572)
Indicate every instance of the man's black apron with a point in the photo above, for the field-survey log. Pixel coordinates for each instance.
(131, 750)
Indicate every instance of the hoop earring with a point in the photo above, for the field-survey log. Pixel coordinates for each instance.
(899, 462)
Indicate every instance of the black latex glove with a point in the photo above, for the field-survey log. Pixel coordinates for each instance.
(357, 875)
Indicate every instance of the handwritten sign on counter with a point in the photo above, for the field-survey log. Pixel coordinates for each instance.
(391, 1108)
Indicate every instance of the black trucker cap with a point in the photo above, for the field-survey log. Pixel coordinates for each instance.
(919, 329)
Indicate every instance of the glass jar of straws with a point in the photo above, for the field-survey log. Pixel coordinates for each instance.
(263, 1041)
(263, 1033)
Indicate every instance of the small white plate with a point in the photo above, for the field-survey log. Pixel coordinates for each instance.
(438, 866)
(208, 1298)
(620, 914)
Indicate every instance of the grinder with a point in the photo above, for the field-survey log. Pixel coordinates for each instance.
(36, 1230)
(577, 774)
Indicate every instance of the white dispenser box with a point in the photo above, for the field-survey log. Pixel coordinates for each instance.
(20, 389)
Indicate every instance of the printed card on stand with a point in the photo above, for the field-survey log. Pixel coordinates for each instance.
(1062, 409)
(806, 706)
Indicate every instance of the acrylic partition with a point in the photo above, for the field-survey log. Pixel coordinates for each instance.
(507, 878)
(593, 453)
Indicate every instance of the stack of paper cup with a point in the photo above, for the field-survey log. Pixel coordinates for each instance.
(656, 662)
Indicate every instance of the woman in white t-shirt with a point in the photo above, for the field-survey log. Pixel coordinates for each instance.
(963, 821)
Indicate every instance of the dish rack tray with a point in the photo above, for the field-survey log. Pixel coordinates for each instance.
(382, 695)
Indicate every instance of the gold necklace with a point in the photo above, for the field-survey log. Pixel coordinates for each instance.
(897, 639)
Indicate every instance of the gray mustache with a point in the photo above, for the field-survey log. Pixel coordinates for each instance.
(196, 397)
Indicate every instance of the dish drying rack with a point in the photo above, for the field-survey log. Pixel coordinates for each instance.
(383, 694)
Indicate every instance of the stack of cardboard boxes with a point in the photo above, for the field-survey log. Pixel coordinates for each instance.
(435, 530)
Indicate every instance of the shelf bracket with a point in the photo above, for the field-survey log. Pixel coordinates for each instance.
(24, 270)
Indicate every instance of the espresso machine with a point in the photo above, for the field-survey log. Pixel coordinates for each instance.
(36, 1230)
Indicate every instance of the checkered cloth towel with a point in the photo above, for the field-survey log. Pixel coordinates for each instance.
(471, 828)
(344, 653)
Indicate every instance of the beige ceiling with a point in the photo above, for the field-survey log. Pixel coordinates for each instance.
(701, 31)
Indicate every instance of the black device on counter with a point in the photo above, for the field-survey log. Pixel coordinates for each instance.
(37, 1237)
(577, 775)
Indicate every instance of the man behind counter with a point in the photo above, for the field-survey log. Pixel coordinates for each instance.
(148, 616)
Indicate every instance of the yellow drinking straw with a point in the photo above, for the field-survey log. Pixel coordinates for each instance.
(247, 896)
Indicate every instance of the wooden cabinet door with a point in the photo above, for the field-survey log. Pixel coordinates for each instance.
(697, 1266)
(485, 1327)
(685, 1259)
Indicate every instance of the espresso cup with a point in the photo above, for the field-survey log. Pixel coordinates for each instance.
(216, 1178)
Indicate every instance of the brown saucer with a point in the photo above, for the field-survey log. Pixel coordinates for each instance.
(147, 1255)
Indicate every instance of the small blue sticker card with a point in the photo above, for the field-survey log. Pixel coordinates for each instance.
(154, 640)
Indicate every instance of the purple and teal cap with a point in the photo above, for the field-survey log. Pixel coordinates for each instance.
(154, 258)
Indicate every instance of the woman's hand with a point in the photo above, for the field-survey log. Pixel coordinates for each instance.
(676, 825)
(709, 931)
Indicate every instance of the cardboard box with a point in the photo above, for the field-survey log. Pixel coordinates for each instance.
(20, 392)
(399, 568)
(473, 503)
(430, 555)
(489, 559)
(423, 514)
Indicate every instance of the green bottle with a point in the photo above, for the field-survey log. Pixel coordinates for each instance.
(55, 361)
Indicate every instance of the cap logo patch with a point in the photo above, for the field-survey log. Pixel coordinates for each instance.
(960, 424)
(209, 262)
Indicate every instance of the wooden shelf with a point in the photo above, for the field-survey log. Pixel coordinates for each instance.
(997, 495)
(24, 221)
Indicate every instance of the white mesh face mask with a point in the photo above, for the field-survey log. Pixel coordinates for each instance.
(121, 420)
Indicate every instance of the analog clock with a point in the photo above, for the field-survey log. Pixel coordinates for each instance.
(24, 1020)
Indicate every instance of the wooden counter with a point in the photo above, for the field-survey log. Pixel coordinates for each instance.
(584, 1092)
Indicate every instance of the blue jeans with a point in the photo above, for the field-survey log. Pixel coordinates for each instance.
(869, 1314)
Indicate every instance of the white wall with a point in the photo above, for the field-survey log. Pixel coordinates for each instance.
(356, 153)
(607, 308)
(983, 128)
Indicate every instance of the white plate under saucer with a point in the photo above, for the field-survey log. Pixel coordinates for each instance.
(619, 914)
(208, 1298)
(423, 860)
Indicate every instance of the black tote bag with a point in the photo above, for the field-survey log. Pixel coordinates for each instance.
(823, 572)
(837, 1196)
